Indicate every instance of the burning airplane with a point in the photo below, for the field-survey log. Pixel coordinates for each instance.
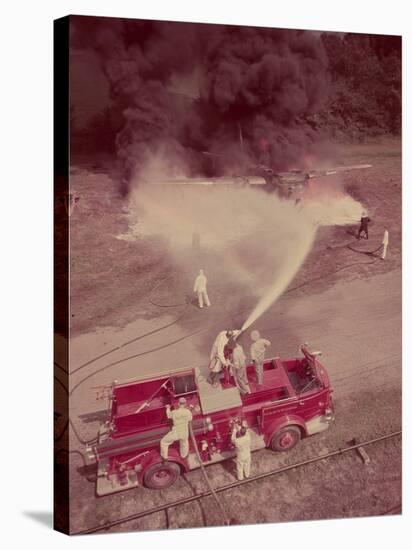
(287, 185)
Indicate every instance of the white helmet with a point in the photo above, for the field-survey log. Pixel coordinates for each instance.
(255, 335)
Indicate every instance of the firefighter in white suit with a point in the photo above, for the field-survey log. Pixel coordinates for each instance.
(385, 242)
(201, 289)
(241, 441)
(239, 369)
(218, 359)
(180, 430)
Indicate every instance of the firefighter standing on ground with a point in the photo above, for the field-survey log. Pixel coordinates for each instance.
(239, 369)
(385, 242)
(200, 288)
(241, 440)
(257, 352)
(180, 430)
(363, 228)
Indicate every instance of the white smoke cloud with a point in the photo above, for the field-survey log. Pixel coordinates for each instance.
(259, 239)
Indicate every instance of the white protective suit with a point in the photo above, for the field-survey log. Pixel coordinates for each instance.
(243, 456)
(180, 431)
(217, 355)
(201, 289)
(385, 242)
(239, 370)
(257, 352)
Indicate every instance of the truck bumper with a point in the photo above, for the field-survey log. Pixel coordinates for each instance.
(319, 424)
(108, 484)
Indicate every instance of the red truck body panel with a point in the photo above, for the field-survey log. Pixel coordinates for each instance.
(296, 395)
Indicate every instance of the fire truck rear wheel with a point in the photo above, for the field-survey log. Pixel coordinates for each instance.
(285, 439)
(161, 476)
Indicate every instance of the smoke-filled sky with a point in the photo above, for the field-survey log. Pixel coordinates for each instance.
(241, 93)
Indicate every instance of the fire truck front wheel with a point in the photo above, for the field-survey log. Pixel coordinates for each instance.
(161, 476)
(285, 439)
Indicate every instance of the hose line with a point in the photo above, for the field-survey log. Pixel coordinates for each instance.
(227, 521)
(367, 252)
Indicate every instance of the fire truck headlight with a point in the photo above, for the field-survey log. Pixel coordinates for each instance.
(209, 424)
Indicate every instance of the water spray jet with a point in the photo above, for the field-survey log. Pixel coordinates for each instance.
(288, 271)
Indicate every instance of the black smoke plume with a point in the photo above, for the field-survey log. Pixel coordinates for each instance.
(252, 93)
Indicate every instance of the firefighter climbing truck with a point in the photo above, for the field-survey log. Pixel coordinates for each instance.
(294, 402)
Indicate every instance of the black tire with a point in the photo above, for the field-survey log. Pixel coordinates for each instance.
(161, 475)
(285, 439)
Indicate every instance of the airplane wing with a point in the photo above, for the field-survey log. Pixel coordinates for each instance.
(228, 180)
(337, 170)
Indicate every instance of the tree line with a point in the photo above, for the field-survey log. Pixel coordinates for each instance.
(364, 96)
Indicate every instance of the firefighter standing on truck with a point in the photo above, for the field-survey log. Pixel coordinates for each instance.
(241, 441)
(220, 354)
(239, 369)
(257, 352)
(180, 430)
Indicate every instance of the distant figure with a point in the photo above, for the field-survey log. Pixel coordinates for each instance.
(195, 242)
(385, 242)
(200, 288)
(363, 228)
(239, 369)
(180, 430)
(257, 352)
(241, 440)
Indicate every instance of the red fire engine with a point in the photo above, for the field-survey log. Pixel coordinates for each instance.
(294, 402)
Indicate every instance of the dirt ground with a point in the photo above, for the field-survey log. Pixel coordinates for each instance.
(346, 303)
(110, 277)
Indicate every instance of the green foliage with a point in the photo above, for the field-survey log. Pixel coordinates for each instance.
(365, 93)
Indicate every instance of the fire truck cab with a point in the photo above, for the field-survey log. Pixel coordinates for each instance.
(294, 402)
